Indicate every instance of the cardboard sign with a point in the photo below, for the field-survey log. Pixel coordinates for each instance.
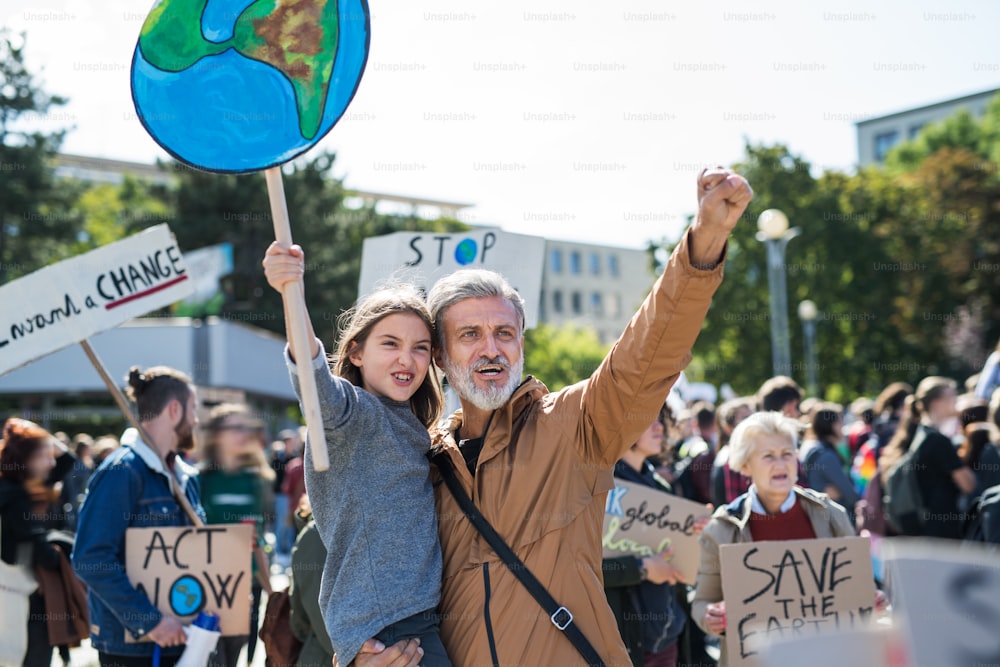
(775, 590)
(642, 521)
(947, 596)
(186, 570)
(70, 301)
(424, 257)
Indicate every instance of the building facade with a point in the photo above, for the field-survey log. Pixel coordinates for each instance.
(877, 136)
(593, 286)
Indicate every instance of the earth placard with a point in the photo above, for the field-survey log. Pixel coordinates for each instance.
(245, 85)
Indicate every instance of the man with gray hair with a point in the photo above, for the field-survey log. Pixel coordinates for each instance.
(538, 465)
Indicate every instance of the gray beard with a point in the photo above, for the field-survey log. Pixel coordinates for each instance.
(492, 398)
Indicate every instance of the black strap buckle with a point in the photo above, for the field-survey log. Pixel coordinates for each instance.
(561, 618)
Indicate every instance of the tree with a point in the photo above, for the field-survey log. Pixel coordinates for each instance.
(561, 356)
(37, 222)
(902, 262)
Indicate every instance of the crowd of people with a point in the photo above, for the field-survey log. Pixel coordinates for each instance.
(475, 538)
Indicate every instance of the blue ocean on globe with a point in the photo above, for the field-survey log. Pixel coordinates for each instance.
(187, 596)
(231, 113)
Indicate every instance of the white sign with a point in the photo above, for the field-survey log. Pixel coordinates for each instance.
(70, 301)
(423, 258)
(947, 595)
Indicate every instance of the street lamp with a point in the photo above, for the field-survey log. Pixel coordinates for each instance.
(775, 234)
(808, 313)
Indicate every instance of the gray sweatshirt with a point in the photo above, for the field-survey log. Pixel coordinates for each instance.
(374, 508)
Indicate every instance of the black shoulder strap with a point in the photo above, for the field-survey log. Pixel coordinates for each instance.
(558, 614)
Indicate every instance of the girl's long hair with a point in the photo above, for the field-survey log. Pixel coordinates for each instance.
(356, 326)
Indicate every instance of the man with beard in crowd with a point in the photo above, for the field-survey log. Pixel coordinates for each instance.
(134, 488)
(538, 465)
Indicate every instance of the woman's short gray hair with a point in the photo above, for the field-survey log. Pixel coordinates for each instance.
(746, 435)
(469, 284)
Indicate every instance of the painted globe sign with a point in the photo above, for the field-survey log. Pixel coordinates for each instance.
(245, 85)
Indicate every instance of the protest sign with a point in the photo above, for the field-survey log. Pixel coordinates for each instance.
(186, 570)
(67, 302)
(642, 521)
(424, 257)
(947, 599)
(793, 588)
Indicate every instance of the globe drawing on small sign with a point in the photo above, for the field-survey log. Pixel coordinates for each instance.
(465, 252)
(245, 85)
(187, 596)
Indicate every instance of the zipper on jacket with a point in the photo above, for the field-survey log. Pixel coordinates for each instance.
(486, 615)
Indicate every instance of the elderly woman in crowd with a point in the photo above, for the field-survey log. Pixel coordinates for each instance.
(763, 448)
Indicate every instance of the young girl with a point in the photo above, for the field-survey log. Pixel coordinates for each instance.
(374, 506)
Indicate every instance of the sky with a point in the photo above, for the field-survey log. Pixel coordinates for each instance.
(572, 120)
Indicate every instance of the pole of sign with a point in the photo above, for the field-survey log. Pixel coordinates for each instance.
(123, 405)
(295, 302)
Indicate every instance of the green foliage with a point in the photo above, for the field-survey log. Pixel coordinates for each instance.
(902, 263)
(37, 223)
(562, 356)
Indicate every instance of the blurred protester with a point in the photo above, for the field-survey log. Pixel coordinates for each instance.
(103, 447)
(989, 377)
(980, 451)
(27, 457)
(234, 474)
(806, 408)
(775, 508)
(280, 458)
(640, 591)
(970, 411)
(75, 483)
(693, 471)
(134, 488)
(940, 473)
(863, 411)
(821, 457)
(888, 410)
(306, 618)
(294, 484)
(780, 394)
(729, 484)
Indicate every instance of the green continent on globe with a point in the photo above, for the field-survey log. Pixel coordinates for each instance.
(296, 37)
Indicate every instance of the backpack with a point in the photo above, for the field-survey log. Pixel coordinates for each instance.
(985, 523)
(903, 501)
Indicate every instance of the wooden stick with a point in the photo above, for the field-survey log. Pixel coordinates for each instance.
(123, 405)
(296, 303)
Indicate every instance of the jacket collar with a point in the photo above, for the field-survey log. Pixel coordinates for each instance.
(182, 470)
(501, 425)
(738, 511)
(130, 438)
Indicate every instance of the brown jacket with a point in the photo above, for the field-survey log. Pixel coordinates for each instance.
(731, 525)
(65, 603)
(541, 481)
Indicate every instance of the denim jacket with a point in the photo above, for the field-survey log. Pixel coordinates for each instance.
(131, 489)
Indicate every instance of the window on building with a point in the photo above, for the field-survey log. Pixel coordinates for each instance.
(595, 264)
(576, 303)
(574, 263)
(555, 261)
(914, 130)
(884, 142)
(557, 301)
(613, 268)
(596, 304)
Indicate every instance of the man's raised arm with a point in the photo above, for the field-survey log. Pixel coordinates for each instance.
(624, 395)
